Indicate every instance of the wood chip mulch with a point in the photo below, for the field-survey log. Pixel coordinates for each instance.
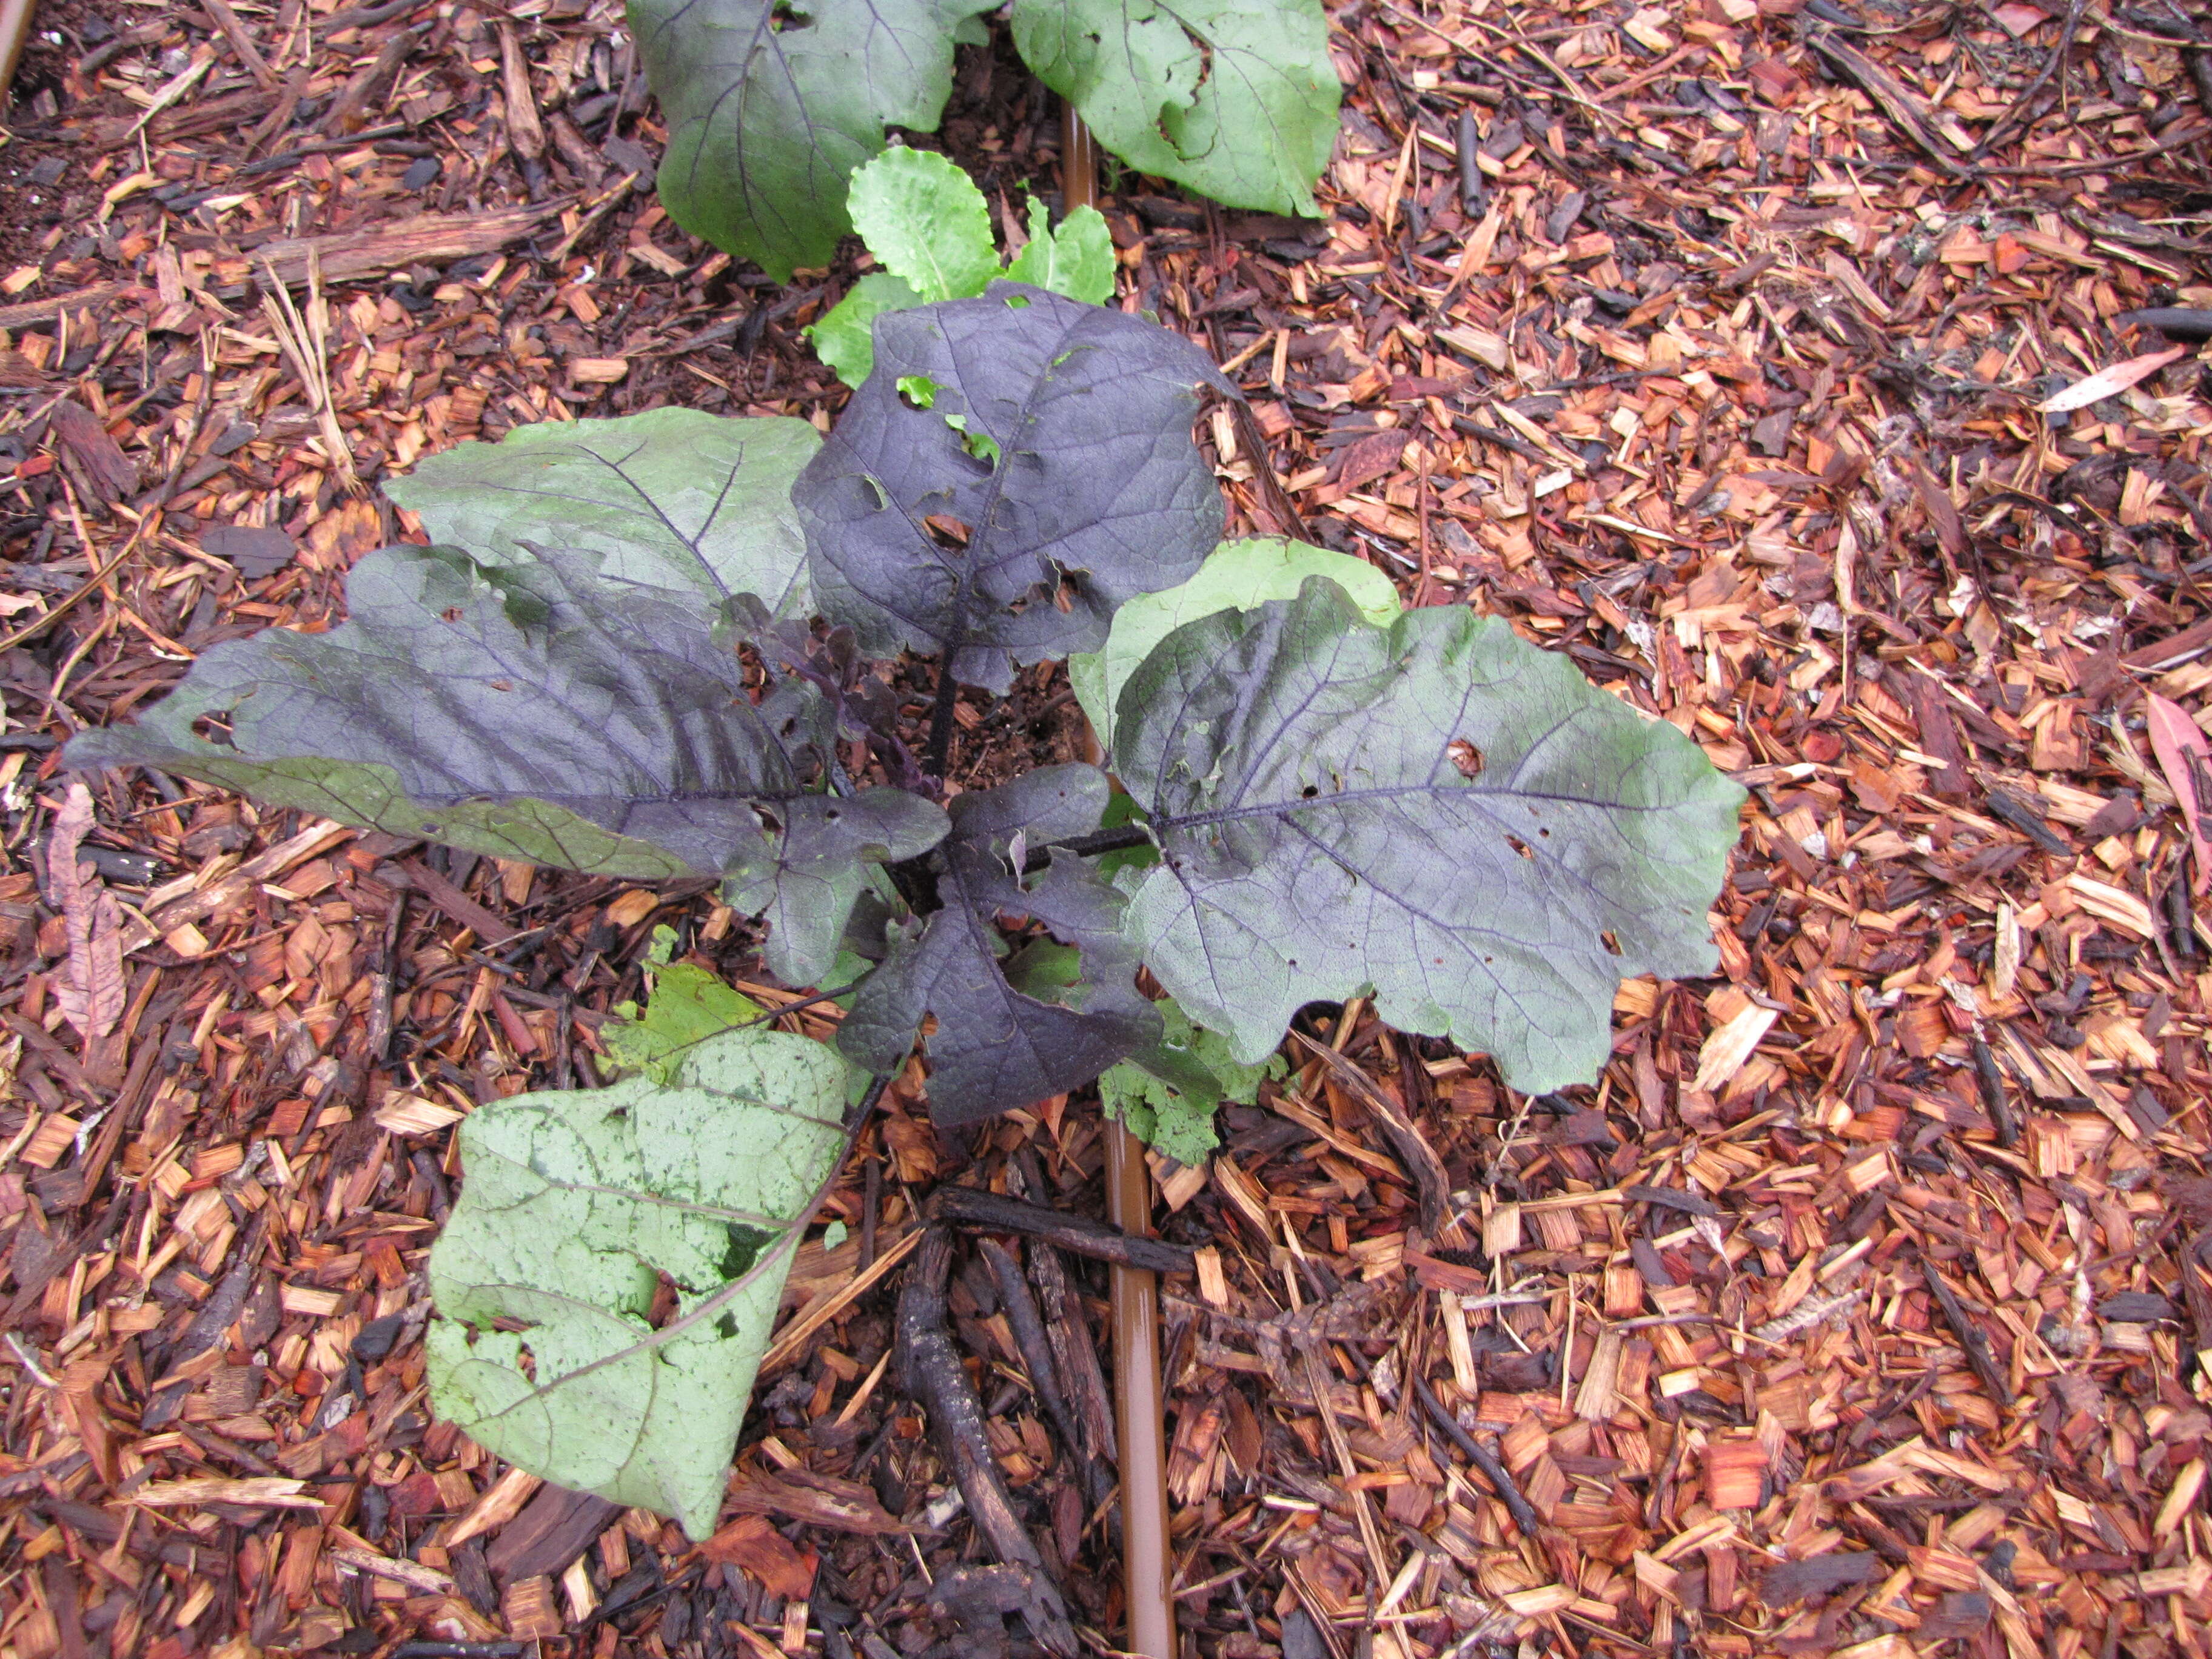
(1857, 1310)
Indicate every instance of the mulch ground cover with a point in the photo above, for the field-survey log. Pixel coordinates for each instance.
(1857, 1308)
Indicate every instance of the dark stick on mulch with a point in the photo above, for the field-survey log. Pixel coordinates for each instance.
(1494, 1470)
(1991, 1084)
(1970, 1337)
(965, 1206)
(930, 1372)
(1029, 1327)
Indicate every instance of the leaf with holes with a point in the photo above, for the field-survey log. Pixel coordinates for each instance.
(578, 1209)
(674, 499)
(1437, 809)
(772, 104)
(1050, 477)
(1236, 99)
(540, 712)
(998, 1046)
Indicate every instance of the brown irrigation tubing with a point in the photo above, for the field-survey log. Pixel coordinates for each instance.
(15, 30)
(1139, 1416)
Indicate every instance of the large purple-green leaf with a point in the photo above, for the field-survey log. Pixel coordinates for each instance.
(998, 1047)
(1437, 810)
(771, 104)
(1016, 467)
(540, 712)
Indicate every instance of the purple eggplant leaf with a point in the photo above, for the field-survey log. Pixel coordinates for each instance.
(1050, 477)
(997, 1048)
(540, 713)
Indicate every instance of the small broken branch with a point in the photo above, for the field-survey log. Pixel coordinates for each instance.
(965, 1206)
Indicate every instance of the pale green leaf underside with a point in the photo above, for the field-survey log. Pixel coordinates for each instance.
(673, 498)
(687, 1006)
(574, 1202)
(1236, 575)
(1167, 1094)
(1236, 99)
(1306, 774)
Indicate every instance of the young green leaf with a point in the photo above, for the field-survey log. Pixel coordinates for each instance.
(915, 541)
(1437, 809)
(1076, 259)
(1168, 1093)
(1238, 575)
(772, 104)
(997, 1047)
(845, 339)
(575, 1204)
(926, 222)
(686, 1005)
(1236, 99)
(539, 712)
(673, 498)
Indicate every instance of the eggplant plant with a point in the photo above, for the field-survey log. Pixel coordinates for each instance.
(674, 644)
(772, 104)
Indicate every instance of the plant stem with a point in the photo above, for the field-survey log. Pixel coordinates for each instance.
(1083, 847)
(940, 722)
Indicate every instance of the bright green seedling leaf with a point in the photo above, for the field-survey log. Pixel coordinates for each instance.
(1236, 99)
(926, 222)
(544, 712)
(930, 228)
(673, 498)
(1236, 575)
(574, 1204)
(1168, 1093)
(771, 105)
(686, 1006)
(919, 390)
(1437, 810)
(1077, 259)
(844, 339)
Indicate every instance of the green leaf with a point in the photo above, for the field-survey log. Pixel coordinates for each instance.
(542, 713)
(1236, 99)
(1077, 259)
(1168, 1093)
(673, 498)
(926, 222)
(686, 1006)
(1236, 575)
(772, 104)
(845, 339)
(575, 1203)
(1437, 810)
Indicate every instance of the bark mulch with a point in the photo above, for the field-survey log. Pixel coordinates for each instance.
(1857, 1308)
